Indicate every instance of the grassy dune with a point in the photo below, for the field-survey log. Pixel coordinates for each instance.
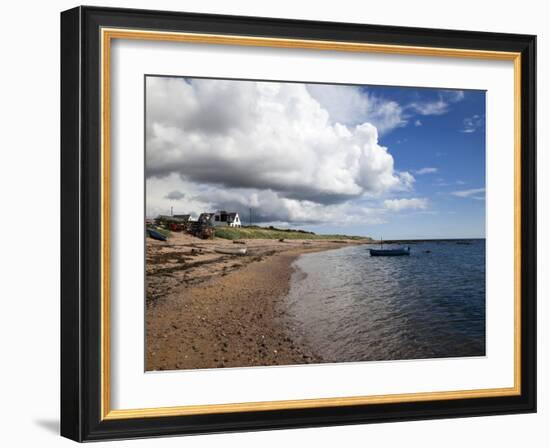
(271, 233)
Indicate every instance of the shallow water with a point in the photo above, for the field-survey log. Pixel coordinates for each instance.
(350, 306)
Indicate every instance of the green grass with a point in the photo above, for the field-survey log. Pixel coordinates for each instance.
(272, 233)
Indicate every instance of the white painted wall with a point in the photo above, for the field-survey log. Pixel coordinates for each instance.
(236, 222)
(29, 173)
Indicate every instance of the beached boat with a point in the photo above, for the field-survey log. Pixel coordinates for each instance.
(231, 250)
(390, 252)
(156, 235)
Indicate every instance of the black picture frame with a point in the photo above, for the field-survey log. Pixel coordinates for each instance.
(81, 224)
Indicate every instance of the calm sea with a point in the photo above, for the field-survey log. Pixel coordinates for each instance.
(350, 306)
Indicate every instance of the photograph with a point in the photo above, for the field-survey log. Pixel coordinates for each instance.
(281, 221)
(290, 223)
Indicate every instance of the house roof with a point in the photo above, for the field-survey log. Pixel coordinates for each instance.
(230, 216)
(208, 215)
(205, 216)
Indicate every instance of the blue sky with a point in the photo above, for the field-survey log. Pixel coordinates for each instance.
(445, 150)
(381, 161)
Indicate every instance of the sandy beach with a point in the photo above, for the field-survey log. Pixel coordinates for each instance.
(210, 310)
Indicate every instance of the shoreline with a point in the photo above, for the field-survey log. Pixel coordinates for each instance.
(223, 311)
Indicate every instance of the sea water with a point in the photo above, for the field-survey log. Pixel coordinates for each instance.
(349, 306)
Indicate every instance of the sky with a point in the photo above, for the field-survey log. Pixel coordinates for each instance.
(379, 161)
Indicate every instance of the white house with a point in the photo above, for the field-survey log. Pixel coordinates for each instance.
(221, 218)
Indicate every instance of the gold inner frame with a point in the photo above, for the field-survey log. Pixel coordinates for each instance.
(107, 35)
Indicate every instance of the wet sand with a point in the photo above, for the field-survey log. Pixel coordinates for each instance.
(210, 310)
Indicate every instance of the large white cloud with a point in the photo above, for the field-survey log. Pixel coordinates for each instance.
(351, 105)
(274, 140)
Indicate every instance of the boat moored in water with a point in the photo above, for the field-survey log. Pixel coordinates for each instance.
(390, 252)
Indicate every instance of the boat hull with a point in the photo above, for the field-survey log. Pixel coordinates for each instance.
(231, 251)
(156, 235)
(389, 252)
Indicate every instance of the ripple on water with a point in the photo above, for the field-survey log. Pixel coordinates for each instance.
(353, 307)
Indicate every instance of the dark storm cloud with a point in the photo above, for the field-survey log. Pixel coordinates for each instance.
(176, 195)
(252, 176)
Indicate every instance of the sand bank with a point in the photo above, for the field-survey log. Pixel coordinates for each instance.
(210, 310)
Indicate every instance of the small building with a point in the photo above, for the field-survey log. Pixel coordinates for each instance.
(202, 227)
(206, 218)
(170, 222)
(221, 218)
(183, 218)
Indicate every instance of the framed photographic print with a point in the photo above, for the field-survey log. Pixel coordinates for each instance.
(273, 223)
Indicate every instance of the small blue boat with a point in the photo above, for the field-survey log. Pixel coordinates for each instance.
(156, 235)
(390, 252)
